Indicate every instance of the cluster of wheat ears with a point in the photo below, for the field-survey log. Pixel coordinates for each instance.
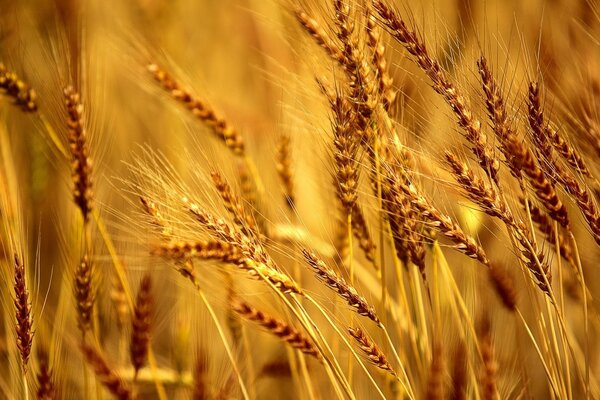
(385, 212)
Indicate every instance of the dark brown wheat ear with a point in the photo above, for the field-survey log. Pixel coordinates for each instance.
(81, 163)
(141, 324)
(24, 319)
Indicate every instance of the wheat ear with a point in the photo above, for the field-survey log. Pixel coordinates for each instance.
(23, 317)
(22, 95)
(277, 327)
(141, 324)
(201, 110)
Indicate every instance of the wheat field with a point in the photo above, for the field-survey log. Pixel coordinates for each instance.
(299, 199)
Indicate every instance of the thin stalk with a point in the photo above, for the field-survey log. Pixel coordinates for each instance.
(225, 343)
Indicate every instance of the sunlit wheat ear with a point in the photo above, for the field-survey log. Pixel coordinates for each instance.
(241, 217)
(496, 108)
(200, 249)
(339, 285)
(363, 91)
(141, 324)
(45, 377)
(346, 143)
(23, 317)
(442, 223)
(371, 350)
(387, 93)
(157, 218)
(283, 164)
(256, 261)
(83, 291)
(201, 110)
(442, 85)
(320, 36)
(487, 198)
(81, 163)
(105, 374)
(277, 327)
(22, 95)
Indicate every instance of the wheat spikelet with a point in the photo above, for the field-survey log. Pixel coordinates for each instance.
(141, 324)
(338, 284)
(23, 317)
(21, 93)
(442, 85)
(81, 164)
(84, 293)
(371, 350)
(277, 327)
(107, 376)
(201, 110)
